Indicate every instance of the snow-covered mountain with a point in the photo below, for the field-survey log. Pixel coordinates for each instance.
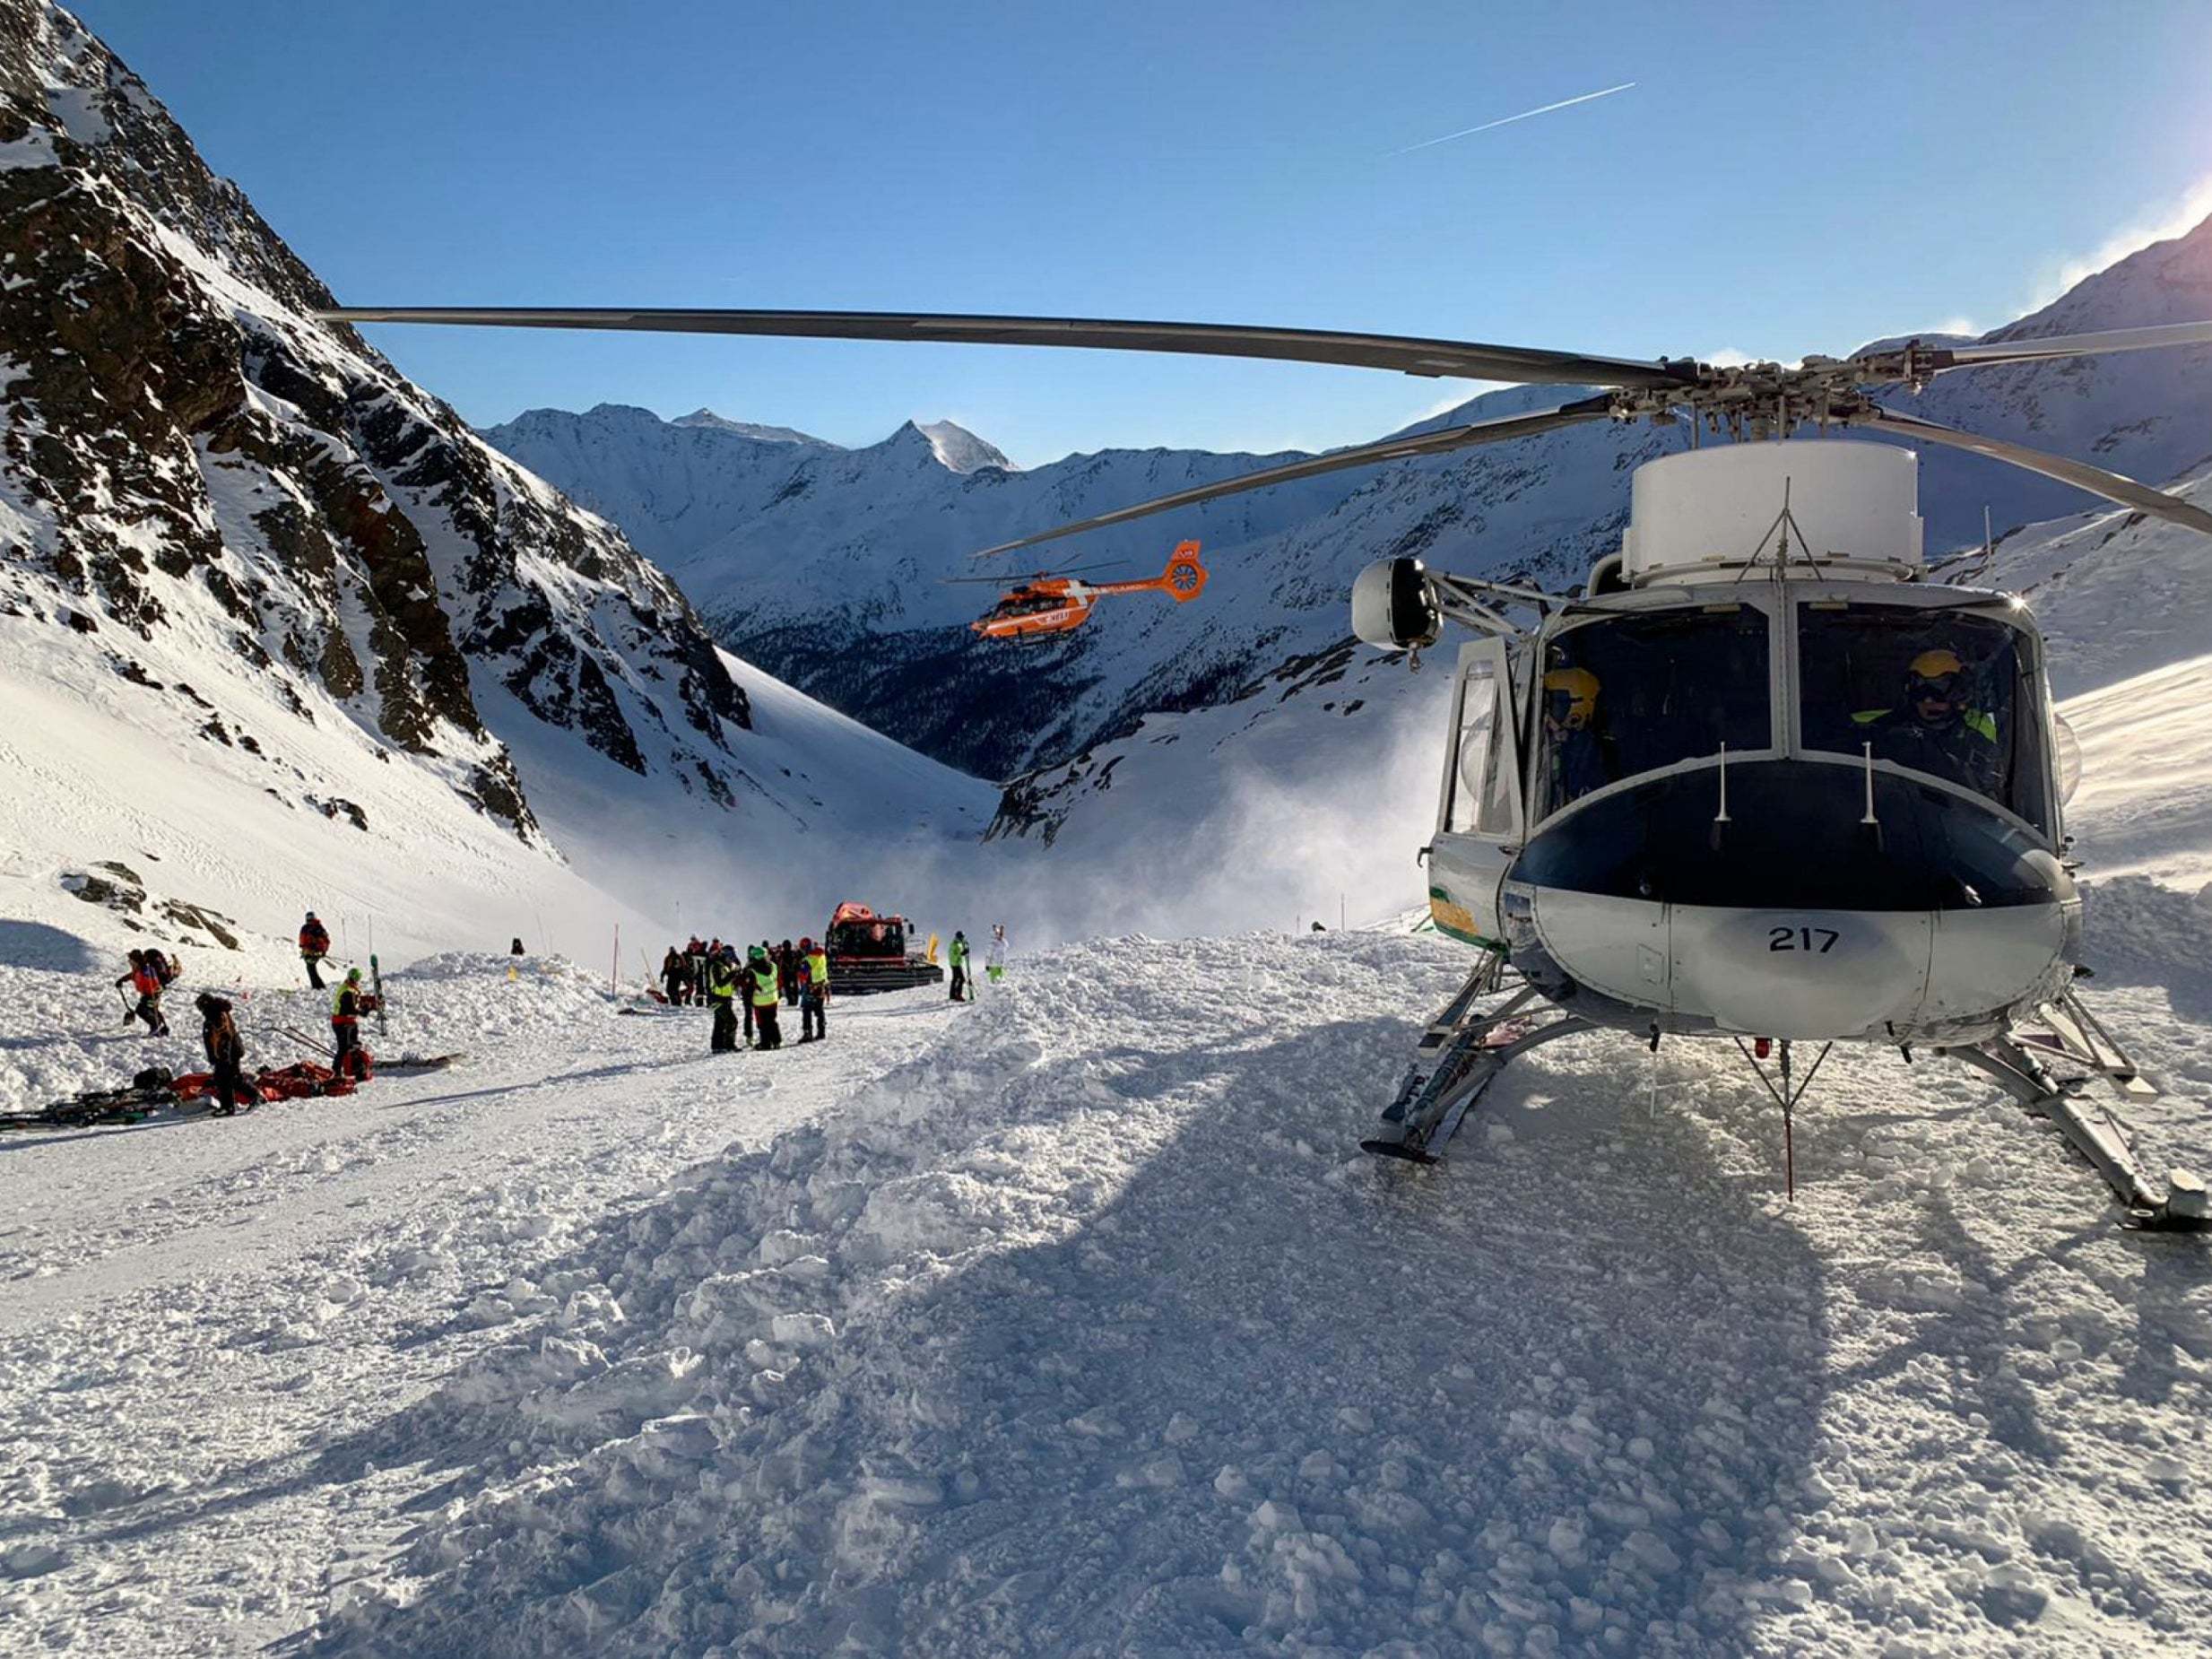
(277, 627)
(826, 564)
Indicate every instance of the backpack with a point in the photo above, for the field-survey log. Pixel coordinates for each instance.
(167, 969)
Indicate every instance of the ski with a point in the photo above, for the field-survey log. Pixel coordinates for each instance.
(376, 983)
(417, 1063)
(93, 1108)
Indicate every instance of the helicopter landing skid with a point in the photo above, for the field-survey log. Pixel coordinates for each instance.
(2094, 1130)
(1459, 1057)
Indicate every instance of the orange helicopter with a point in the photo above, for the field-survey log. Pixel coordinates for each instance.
(1042, 604)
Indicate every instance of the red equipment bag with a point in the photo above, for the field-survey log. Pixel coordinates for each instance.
(301, 1081)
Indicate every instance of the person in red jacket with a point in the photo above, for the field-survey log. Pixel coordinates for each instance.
(314, 946)
(145, 978)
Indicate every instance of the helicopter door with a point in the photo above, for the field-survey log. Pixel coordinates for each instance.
(1479, 818)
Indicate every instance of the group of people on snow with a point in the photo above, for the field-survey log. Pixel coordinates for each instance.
(151, 972)
(764, 979)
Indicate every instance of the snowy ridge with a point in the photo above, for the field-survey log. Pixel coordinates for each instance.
(747, 429)
(824, 567)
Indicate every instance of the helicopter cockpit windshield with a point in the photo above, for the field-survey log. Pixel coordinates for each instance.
(1638, 693)
(1944, 692)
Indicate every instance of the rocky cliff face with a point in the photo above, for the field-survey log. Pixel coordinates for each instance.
(185, 454)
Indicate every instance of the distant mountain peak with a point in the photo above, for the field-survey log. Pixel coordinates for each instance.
(707, 418)
(959, 448)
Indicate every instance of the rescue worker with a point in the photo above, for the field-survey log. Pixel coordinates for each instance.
(672, 978)
(994, 964)
(145, 978)
(225, 1055)
(787, 966)
(1579, 756)
(957, 956)
(721, 986)
(314, 946)
(765, 994)
(813, 992)
(346, 1009)
(1936, 729)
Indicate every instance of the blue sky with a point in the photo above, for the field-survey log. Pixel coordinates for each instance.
(1777, 182)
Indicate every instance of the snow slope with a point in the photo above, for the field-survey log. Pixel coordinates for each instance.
(1052, 1341)
(207, 1323)
(1072, 1322)
(2115, 593)
(2145, 805)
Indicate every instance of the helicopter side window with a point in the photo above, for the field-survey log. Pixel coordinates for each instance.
(1938, 691)
(1482, 788)
(1634, 694)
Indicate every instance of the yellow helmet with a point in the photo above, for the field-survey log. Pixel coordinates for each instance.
(1570, 697)
(1935, 664)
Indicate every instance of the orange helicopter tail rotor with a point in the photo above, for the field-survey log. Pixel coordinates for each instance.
(1183, 579)
(1185, 576)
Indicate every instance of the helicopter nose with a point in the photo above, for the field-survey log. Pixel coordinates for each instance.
(1801, 973)
(1795, 917)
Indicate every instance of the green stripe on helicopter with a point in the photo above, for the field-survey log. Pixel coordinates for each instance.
(1458, 921)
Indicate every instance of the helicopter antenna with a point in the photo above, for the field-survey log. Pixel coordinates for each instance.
(1779, 527)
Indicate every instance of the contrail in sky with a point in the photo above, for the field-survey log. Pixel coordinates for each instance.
(1507, 120)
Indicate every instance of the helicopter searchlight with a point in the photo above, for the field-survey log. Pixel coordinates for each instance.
(1761, 780)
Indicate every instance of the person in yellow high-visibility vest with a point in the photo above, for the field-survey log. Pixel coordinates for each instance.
(813, 992)
(721, 987)
(761, 978)
(346, 1010)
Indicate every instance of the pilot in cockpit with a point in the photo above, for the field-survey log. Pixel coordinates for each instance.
(1581, 758)
(1936, 728)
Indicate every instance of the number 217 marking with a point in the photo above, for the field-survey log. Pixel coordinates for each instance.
(1801, 939)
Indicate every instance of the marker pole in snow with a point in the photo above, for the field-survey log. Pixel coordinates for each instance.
(614, 968)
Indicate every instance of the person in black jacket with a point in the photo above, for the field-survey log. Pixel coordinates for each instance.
(225, 1055)
(314, 946)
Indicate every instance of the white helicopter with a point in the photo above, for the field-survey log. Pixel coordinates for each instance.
(1760, 779)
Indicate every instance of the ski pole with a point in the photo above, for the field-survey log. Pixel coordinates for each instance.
(312, 1046)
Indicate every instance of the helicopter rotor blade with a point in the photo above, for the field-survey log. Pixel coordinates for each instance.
(1527, 365)
(1442, 442)
(2096, 480)
(1996, 351)
(1034, 576)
